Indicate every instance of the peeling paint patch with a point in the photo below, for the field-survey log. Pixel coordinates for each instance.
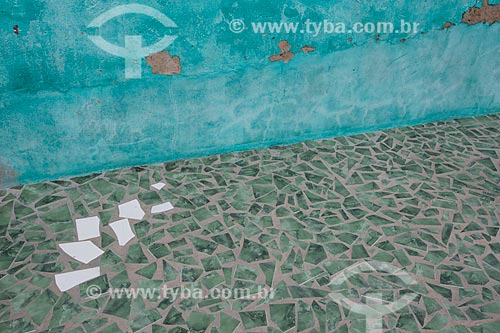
(285, 54)
(308, 49)
(448, 25)
(486, 14)
(162, 63)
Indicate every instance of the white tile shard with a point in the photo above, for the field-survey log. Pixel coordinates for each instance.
(84, 252)
(131, 210)
(88, 228)
(165, 207)
(159, 186)
(66, 281)
(123, 231)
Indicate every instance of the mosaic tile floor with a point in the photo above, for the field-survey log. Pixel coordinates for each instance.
(424, 199)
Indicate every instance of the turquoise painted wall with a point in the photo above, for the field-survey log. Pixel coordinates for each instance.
(66, 107)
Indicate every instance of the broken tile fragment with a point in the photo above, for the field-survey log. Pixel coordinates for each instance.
(123, 231)
(158, 186)
(165, 207)
(131, 210)
(66, 281)
(84, 252)
(88, 228)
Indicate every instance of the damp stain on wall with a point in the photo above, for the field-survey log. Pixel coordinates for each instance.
(8, 175)
(162, 63)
